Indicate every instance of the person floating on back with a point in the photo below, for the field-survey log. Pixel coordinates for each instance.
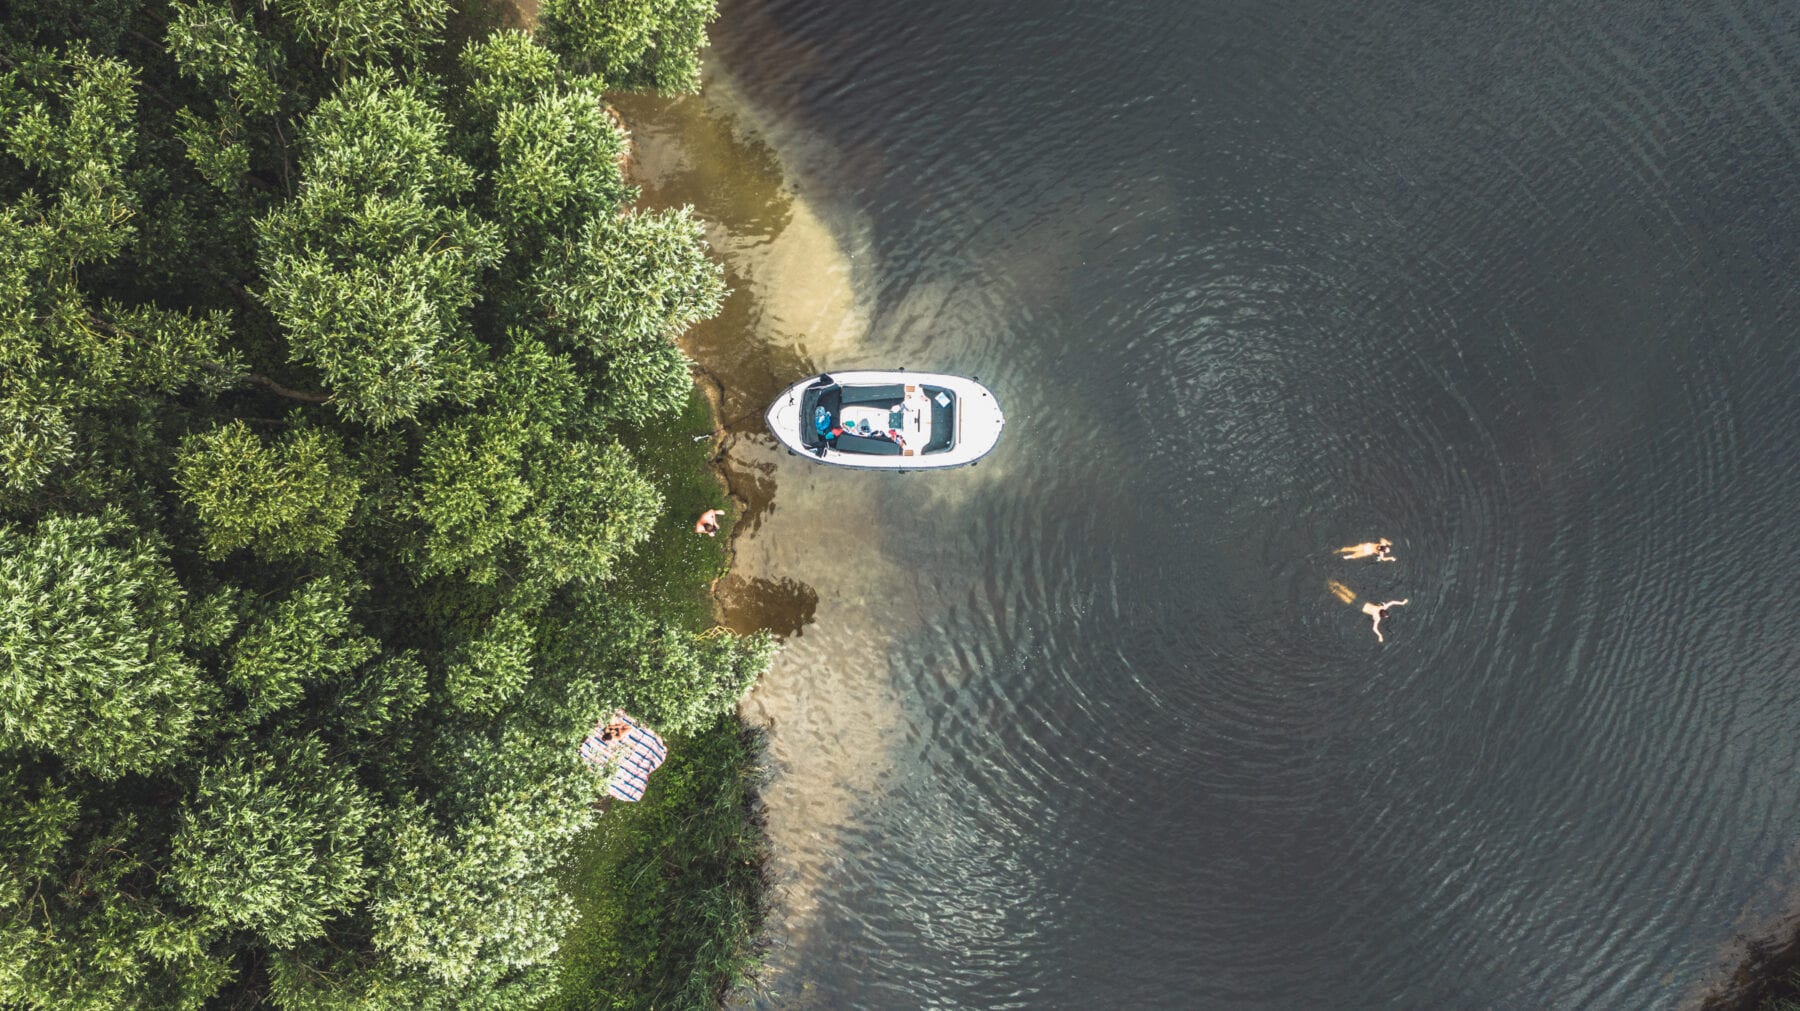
(1378, 612)
(1381, 550)
(708, 523)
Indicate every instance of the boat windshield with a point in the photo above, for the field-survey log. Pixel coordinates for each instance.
(819, 406)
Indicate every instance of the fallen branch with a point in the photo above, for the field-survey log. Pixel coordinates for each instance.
(282, 391)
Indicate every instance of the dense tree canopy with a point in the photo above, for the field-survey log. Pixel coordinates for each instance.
(323, 335)
(632, 43)
(91, 648)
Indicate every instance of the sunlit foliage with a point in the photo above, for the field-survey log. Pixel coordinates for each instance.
(323, 336)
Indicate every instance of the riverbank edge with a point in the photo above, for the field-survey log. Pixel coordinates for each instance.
(1765, 976)
(681, 876)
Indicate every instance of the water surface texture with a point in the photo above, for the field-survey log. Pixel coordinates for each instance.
(1512, 284)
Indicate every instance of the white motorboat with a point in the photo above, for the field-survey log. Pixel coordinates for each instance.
(888, 420)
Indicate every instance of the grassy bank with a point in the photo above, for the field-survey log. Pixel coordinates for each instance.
(671, 574)
(670, 889)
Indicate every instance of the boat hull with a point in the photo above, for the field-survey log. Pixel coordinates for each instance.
(977, 421)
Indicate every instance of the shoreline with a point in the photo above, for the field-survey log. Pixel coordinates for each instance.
(712, 388)
(1763, 973)
(693, 937)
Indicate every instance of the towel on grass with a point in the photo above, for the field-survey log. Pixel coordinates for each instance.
(634, 755)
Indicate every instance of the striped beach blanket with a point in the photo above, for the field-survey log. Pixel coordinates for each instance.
(633, 756)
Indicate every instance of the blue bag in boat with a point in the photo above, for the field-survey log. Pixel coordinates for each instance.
(821, 420)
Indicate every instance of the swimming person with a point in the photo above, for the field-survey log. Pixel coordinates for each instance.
(1381, 550)
(1340, 591)
(1378, 612)
(708, 523)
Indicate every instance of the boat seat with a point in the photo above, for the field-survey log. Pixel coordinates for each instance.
(887, 397)
(848, 443)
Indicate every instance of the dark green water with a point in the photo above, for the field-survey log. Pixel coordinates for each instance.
(1512, 284)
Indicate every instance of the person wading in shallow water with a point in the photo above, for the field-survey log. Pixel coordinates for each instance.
(1381, 550)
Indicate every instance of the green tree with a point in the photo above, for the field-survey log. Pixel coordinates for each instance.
(287, 500)
(320, 351)
(593, 507)
(491, 669)
(100, 24)
(506, 68)
(372, 269)
(450, 904)
(633, 44)
(492, 502)
(322, 976)
(501, 493)
(620, 291)
(216, 48)
(35, 824)
(305, 638)
(81, 924)
(678, 679)
(210, 42)
(65, 123)
(372, 707)
(92, 667)
(356, 32)
(472, 485)
(273, 843)
(557, 159)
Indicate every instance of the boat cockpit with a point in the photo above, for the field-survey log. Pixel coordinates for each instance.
(888, 420)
